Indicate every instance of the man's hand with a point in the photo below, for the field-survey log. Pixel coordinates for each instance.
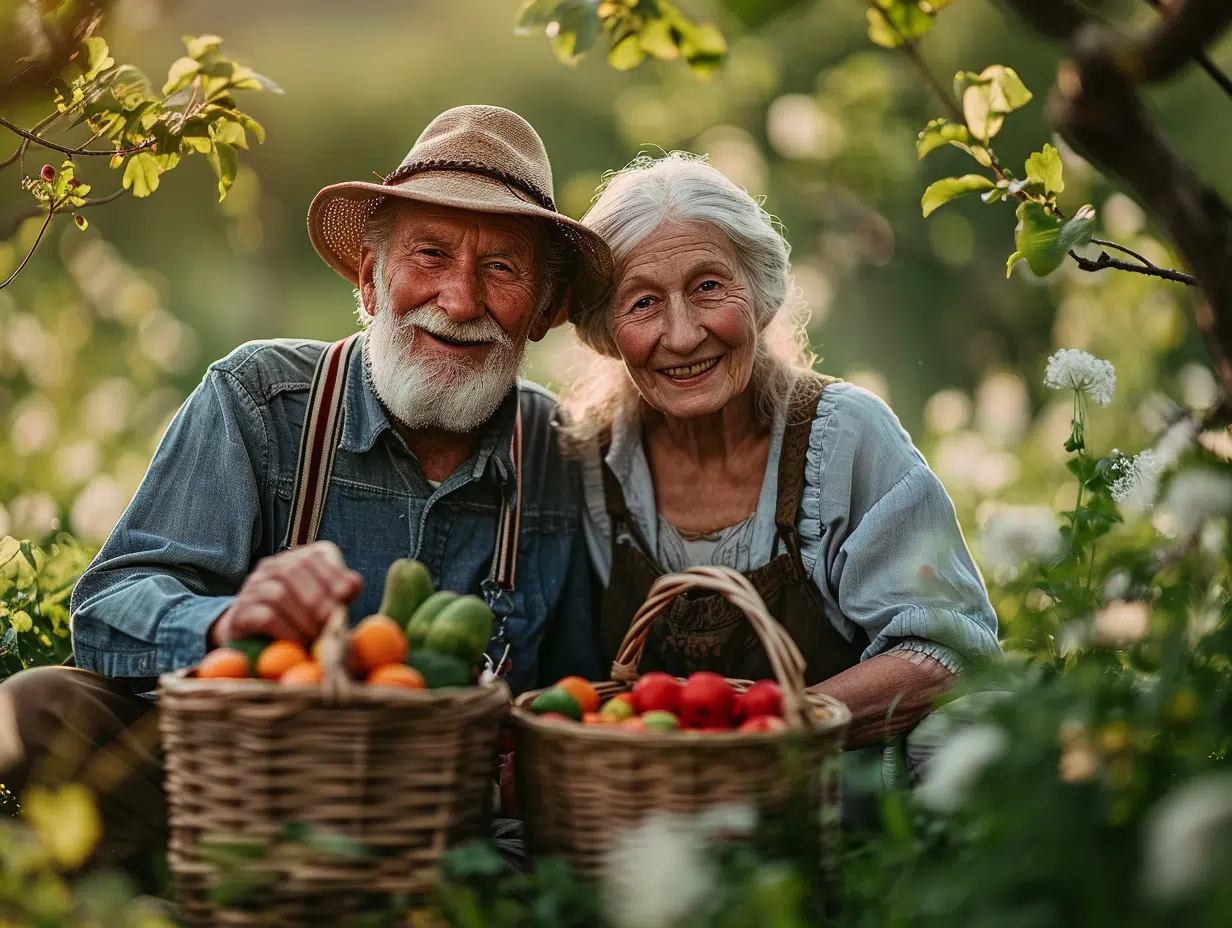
(289, 596)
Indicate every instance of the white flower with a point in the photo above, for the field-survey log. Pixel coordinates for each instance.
(958, 764)
(1122, 622)
(1196, 496)
(1176, 439)
(1185, 834)
(1014, 534)
(1071, 369)
(657, 872)
(1137, 481)
(1117, 585)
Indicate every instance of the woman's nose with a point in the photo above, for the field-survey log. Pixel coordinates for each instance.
(682, 330)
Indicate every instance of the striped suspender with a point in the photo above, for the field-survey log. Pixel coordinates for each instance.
(319, 440)
(317, 446)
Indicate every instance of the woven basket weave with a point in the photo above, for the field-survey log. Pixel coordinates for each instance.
(580, 785)
(405, 773)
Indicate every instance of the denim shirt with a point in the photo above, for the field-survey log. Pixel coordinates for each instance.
(878, 532)
(217, 498)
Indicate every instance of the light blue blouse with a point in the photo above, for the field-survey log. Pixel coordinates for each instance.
(878, 532)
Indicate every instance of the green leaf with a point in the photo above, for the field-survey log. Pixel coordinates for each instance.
(199, 46)
(1044, 240)
(537, 14)
(578, 29)
(943, 191)
(941, 132)
(988, 97)
(1010, 262)
(892, 23)
(703, 47)
(243, 78)
(180, 74)
(98, 58)
(232, 133)
(1044, 167)
(141, 174)
(225, 161)
(626, 54)
(656, 39)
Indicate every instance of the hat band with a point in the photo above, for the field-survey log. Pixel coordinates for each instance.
(472, 167)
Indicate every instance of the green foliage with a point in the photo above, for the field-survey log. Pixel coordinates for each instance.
(35, 584)
(1043, 238)
(943, 191)
(634, 30)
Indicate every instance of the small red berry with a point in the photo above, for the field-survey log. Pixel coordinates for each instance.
(48, 173)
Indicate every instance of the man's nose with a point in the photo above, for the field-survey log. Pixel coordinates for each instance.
(461, 294)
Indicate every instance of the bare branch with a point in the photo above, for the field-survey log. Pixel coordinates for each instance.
(1107, 262)
(34, 138)
(51, 213)
(1186, 29)
(1203, 59)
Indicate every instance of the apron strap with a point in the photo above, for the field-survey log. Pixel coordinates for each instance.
(319, 440)
(801, 411)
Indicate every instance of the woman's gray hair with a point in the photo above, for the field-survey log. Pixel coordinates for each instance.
(680, 186)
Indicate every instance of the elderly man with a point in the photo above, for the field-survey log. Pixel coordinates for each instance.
(413, 439)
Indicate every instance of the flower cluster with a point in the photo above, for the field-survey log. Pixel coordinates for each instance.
(1014, 534)
(1072, 369)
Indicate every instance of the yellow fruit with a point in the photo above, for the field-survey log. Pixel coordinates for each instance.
(397, 675)
(307, 672)
(377, 640)
(278, 658)
(224, 664)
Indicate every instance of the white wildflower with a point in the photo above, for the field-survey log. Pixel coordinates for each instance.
(1121, 623)
(1137, 481)
(1015, 533)
(1117, 585)
(1196, 496)
(1072, 638)
(657, 872)
(956, 767)
(1186, 836)
(1072, 369)
(1175, 441)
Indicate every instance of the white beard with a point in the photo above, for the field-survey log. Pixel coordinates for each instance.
(444, 393)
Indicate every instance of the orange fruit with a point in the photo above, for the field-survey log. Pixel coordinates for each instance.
(224, 664)
(279, 657)
(583, 691)
(594, 718)
(397, 675)
(305, 672)
(377, 640)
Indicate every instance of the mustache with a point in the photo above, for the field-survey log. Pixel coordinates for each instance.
(433, 320)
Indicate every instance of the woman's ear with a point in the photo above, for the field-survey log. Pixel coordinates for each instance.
(367, 285)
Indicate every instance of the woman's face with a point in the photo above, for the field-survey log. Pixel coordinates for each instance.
(683, 320)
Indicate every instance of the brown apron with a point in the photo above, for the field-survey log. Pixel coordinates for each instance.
(705, 632)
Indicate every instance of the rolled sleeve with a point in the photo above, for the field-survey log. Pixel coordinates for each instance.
(882, 540)
(185, 543)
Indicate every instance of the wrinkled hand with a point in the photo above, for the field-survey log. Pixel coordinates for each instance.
(289, 596)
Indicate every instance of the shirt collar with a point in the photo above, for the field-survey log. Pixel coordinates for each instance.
(366, 419)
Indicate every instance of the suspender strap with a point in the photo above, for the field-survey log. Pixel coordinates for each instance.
(319, 440)
(505, 557)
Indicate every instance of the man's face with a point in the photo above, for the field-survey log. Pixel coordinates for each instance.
(452, 302)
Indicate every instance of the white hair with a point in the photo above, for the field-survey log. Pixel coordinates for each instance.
(630, 205)
(436, 393)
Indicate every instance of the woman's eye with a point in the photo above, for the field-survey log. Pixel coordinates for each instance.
(644, 303)
(708, 285)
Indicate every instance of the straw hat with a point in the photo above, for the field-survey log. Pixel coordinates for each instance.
(481, 158)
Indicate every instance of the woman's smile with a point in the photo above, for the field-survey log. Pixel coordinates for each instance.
(686, 374)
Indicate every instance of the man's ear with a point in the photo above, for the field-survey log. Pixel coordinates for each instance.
(551, 317)
(367, 286)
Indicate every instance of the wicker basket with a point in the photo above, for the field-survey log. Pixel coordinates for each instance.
(405, 773)
(579, 785)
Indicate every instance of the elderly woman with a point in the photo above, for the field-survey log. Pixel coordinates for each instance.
(709, 440)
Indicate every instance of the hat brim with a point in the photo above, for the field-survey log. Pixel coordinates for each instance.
(339, 213)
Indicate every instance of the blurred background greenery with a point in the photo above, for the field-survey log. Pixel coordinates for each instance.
(108, 330)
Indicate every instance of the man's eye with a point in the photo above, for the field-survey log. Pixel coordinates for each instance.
(433, 252)
(500, 266)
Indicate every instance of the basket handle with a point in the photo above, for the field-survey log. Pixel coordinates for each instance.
(785, 658)
(335, 641)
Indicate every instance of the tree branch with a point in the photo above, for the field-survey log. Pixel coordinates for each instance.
(33, 137)
(51, 213)
(1187, 27)
(1105, 262)
(1203, 59)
